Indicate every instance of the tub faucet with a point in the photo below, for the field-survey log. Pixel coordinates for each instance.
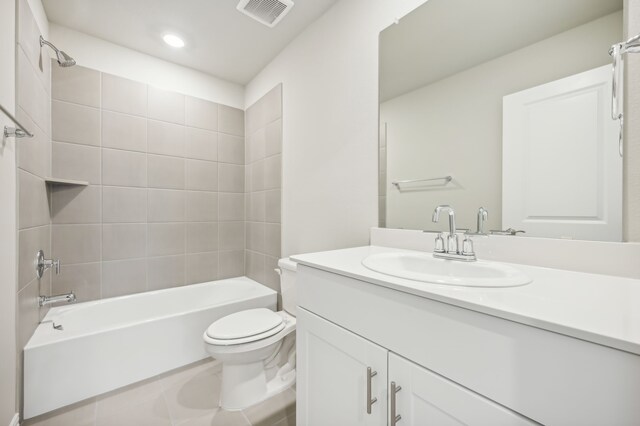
(43, 264)
(452, 252)
(47, 300)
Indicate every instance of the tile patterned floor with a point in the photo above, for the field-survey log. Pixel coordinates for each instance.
(184, 397)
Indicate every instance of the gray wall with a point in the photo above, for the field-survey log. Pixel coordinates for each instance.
(264, 184)
(164, 204)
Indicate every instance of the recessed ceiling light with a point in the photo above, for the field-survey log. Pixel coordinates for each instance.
(173, 40)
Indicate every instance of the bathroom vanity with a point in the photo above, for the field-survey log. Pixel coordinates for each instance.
(374, 349)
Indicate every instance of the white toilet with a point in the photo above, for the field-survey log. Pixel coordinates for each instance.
(256, 348)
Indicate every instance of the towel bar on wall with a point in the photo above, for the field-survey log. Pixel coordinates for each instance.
(11, 132)
(446, 180)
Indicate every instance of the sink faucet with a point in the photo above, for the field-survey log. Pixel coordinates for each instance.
(452, 251)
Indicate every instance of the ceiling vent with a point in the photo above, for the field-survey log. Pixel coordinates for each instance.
(267, 12)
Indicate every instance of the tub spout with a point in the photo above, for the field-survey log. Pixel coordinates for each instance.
(47, 300)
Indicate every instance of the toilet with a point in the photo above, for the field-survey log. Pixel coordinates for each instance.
(256, 348)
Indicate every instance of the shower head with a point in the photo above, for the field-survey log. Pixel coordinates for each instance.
(63, 59)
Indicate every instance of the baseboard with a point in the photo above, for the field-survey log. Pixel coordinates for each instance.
(15, 421)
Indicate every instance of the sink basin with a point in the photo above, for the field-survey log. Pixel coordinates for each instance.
(426, 268)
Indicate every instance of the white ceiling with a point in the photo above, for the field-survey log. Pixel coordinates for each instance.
(219, 40)
(443, 37)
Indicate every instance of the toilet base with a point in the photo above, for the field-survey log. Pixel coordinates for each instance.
(246, 384)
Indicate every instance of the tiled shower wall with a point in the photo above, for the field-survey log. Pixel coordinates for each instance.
(264, 188)
(33, 111)
(165, 202)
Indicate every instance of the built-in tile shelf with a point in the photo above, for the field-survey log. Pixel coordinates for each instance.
(57, 181)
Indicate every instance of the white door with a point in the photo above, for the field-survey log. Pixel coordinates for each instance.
(561, 169)
(426, 398)
(332, 375)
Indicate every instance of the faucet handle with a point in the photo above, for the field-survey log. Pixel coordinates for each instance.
(439, 244)
(452, 243)
(467, 247)
(56, 266)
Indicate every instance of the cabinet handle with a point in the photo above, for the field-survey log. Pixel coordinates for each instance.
(370, 402)
(395, 418)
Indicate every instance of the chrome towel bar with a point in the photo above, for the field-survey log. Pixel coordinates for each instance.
(10, 132)
(446, 180)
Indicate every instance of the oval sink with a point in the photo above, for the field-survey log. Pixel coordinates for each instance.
(426, 268)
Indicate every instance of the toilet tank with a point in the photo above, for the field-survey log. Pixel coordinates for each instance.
(288, 285)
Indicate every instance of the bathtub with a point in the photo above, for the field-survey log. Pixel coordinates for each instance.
(106, 344)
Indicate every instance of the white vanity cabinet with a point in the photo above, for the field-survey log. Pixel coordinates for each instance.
(454, 365)
(345, 379)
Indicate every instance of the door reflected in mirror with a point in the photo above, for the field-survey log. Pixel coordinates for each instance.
(504, 105)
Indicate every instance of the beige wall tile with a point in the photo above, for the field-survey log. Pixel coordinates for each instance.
(257, 175)
(273, 138)
(165, 106)
(76, 84)
(124, 204)
(230, 264)
(124, 168)
(256, 212)
(34, 154)
(271, 277)
(33, 202)
(165, 172)
(123, 95)
(29, 43)
(202, 175)
(201, 144)
(255, 236)
(124, 241)
(230, 178)
(202, 237)
(272, 240)
(257, 146)
(76, 204)
(124, 131)
(202, 206)
(84, 279)
(200, 113)
(124, 277)
(29, 242)
(231, 206)
(201, 267)
(166, 205)
(230, 120)
(165, 272)
(273, 206)
(32, 96)
(165, 239)
(230, 149)
(166, 138)
(272, 105)
(254, 265)
(75, 243)
(76, 162)
(273, 172)
(231, 235)
(75, 123)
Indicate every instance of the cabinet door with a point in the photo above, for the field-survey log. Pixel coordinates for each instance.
(332, 375)
(426, 398)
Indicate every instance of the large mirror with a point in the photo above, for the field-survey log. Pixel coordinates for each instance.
(505, 105)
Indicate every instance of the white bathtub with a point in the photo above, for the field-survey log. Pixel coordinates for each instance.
(110, 343)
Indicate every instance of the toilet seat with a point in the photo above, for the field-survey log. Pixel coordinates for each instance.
(245, 326)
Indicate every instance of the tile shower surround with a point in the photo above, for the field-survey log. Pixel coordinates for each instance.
(165, 202)
(264, 188)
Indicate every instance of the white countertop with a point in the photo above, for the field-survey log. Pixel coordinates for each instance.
(598, 308)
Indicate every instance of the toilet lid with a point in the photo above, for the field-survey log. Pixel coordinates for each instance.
(243, 324)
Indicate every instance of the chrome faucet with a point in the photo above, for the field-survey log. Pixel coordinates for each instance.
(452, 252)
(483, 215)
(47, 300)
(43, 264)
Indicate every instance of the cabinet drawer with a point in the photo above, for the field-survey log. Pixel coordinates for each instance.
(547, 377)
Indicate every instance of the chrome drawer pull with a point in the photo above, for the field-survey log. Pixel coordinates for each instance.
(370, 402)
(395, 418)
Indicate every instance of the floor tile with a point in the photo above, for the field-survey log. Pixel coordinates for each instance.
(218, 418)
(273, 410)
(153, 412)
(193, 396)
(80, 414)
(128, 396)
